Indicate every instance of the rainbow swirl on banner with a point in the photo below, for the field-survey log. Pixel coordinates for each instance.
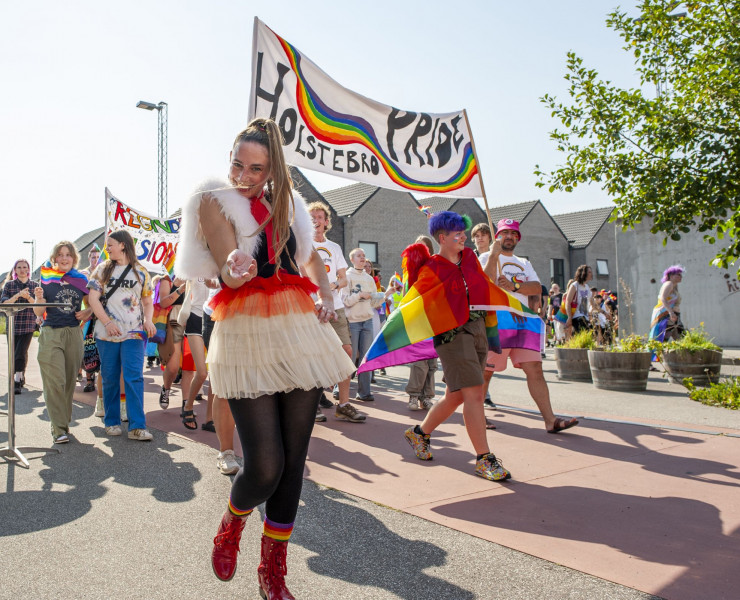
(333, 127)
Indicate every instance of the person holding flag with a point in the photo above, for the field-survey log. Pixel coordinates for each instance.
(454, 281)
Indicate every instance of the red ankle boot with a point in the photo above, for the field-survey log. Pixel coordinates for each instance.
(273, 569)
(226, 545)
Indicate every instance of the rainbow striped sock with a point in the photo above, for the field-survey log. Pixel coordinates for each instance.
(238, 513)
(277, 531)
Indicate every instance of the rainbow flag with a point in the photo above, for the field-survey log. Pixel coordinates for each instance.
(73, 277)
(437, 303)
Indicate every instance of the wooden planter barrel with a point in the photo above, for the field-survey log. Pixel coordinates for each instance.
(703, 366)
(620, 371)
(573, 364)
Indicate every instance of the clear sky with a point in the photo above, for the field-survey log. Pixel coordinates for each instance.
(72, 72)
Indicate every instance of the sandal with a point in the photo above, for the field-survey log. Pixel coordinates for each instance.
(562, 425)
(208, 426)
(188, 419)
(489, 424)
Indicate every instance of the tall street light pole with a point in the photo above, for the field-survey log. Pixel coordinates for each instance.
(161, 109)
(33, 255)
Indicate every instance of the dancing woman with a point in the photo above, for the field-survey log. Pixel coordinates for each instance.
(254, 234)
(665, 323)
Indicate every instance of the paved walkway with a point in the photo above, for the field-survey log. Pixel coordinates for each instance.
(651, 505)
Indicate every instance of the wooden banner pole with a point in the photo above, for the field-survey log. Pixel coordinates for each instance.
(480, 176)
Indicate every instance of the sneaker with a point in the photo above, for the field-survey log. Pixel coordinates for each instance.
(489, 467)
(90, 387)
(324, 402)
(426, 403)
(99, 408)
(140, 435)
(420, 444)
(335, 393)
(488, 403)
(124, 414)
(113, 430)
(62, 438)
(368, 398)
(17, 388)
(226, 462)
(164, 398)
(349, 413)
(320, 417)
(414, 403)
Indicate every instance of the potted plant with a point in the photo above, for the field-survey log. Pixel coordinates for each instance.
(693, 355)
(623, 367)
(572, 357)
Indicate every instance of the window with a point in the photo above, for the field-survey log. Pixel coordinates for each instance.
(557, 272)
(602, 267)
(371, 251)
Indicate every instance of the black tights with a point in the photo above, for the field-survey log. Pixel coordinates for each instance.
(274, 431)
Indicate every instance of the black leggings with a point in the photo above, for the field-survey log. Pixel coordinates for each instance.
(21, 342)
(274, 431)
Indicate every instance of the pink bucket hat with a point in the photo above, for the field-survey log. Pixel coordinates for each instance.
(508, 225)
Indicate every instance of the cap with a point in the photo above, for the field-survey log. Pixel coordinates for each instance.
(508, 225)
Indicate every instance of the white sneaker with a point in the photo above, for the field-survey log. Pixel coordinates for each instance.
(140, 435)
(113, 430)
(226, 462)
(99, 410)
(124, 414)
(426, 403)
(414, 403)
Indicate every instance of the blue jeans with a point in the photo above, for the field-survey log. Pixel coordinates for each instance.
(362, 336)
(125, 357)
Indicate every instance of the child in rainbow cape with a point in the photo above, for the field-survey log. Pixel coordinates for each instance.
(450, 310)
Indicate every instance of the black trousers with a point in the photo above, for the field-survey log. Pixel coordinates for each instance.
(274, 431)
(21, 342)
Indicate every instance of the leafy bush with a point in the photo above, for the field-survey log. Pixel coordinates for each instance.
(693, 340)
(633, 343)
(725, 393)
(583, 339)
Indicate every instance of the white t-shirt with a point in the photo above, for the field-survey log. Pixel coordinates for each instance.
(515, 269)
(583, 298)
(331, 253)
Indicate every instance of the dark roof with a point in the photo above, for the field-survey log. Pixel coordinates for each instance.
(581, 227)
(86, 239)
(518, 212)
(346, 200)
(438, 203)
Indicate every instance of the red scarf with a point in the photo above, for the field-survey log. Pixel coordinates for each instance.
(262, 214)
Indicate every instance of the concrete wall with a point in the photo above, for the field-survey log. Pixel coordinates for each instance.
(393, 220)
(602, 247)
(708, 294)
(541, 241)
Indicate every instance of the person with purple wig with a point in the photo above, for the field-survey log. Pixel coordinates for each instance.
(666, 320)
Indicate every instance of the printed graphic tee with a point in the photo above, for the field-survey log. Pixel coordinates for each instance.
(124, 305)
(331, 253)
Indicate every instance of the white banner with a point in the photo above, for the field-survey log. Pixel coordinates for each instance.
(334, 130)
(155, 239)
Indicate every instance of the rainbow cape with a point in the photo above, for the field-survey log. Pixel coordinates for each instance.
(437, 302)
(50, 275)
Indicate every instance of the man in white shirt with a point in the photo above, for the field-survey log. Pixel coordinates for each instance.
(336, 271)
(516, 275)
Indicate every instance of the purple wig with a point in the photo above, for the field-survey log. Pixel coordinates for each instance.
(446, 221)
(672, 270)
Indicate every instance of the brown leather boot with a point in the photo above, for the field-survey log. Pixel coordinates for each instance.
(273, 569)
(226, 545)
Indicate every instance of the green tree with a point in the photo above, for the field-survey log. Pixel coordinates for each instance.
(669, 149)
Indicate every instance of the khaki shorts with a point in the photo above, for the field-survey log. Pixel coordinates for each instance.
(498, 362)
(464, 358)
(341, 326)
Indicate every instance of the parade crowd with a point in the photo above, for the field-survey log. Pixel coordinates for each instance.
(272, 320)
